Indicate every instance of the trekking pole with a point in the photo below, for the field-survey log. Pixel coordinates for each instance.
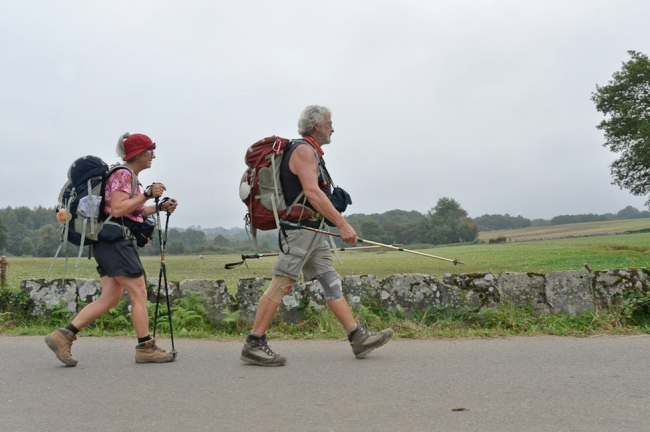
(354, 248)
(244, 257)
(162, 276)
(293, 225)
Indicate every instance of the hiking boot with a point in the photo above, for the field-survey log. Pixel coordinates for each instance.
(257, 351)
(149, 352)
(60, 341)
(363, 341)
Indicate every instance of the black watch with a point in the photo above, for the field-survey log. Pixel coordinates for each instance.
(148, 195)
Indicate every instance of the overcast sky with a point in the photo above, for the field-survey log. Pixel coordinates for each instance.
(485, 102)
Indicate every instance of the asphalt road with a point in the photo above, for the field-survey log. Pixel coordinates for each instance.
(510, 384)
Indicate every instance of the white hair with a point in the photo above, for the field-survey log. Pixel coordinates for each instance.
(312, 115)
(121, 152)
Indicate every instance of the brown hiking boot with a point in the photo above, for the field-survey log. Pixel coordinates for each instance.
(363, 341)
(149, 352)
(60, 341)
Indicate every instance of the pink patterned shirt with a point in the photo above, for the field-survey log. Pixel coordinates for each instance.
(120, 180)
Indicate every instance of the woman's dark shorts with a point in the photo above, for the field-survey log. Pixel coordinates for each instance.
(117, 259)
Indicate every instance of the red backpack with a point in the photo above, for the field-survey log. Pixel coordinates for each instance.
(260, 187)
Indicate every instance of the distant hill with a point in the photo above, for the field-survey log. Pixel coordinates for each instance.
(582, 229)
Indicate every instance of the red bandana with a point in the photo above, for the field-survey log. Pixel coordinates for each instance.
(314, 144)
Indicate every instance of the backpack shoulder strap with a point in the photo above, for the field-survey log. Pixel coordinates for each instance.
(134, 180)
(134, 184)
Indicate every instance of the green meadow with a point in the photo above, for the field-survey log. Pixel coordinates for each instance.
(560, 249)
(569, 248)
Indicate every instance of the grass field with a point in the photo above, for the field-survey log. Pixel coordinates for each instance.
(562, 248)
(570, 251)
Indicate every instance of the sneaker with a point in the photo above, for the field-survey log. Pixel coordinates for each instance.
(363, 341)
(257, 351)
(60, 341)
(149, 352)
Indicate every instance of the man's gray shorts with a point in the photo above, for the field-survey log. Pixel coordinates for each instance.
(318, 261)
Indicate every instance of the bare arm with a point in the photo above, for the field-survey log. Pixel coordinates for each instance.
(303, 163)
(122, 204)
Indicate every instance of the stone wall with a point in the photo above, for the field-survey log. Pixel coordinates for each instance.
(572, 292)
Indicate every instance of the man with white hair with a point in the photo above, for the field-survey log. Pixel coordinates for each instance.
(307, 252)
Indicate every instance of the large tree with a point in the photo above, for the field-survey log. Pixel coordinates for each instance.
(448, 223)
(625, 102)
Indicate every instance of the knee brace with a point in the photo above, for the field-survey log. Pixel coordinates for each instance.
(331, 283)
(278, 288)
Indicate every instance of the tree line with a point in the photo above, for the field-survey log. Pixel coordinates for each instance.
(499, 222)
(34, 232)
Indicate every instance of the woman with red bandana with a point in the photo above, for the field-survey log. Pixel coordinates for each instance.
(118, 263)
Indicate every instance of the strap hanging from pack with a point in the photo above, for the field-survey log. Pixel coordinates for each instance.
(64, 244)
(277, 191)
(91, 208)
(311, 245)
(283, 234)
(56, 254)
(333, 244)
(83, 238)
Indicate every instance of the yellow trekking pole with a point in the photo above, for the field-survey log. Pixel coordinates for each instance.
(293, 225)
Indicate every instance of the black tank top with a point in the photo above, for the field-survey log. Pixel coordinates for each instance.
(290, 182)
